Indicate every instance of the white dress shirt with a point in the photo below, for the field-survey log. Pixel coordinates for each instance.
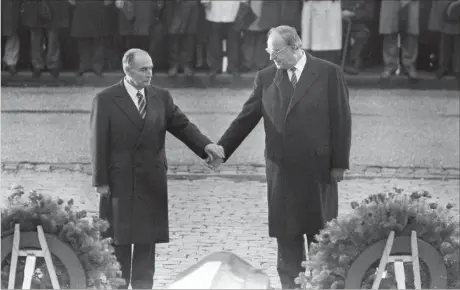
(298, 67)
(132, 92)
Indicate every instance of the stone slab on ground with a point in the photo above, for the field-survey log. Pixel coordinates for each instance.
(215, 214)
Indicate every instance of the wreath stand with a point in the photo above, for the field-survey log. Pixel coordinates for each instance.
(31, 256)
(399, 263)
(47, 245)
(416, 248)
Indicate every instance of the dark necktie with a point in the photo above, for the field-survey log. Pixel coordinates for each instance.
(293, 77)
(141, 102)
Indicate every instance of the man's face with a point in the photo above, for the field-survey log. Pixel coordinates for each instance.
(140, 70)
(281, 54)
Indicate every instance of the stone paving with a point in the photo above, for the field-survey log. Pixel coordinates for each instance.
(210, 214)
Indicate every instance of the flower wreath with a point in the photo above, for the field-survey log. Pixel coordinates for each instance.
(344, 239)
(73, 228)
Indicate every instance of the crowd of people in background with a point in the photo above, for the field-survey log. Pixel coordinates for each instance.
(187, 35)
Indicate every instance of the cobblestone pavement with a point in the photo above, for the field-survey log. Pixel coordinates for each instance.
(214, 213)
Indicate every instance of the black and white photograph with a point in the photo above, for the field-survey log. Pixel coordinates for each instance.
(230, 144)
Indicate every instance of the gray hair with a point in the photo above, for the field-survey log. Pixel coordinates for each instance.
(128, 57)
(289, 34)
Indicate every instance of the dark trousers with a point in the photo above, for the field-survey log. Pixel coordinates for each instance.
(409, 47)
(254, 55)
(182, 49)
(291, 254)
(143, 264)
(219, 32)
(53, 48)
(91, 53)
(449, 52)
(360, 34)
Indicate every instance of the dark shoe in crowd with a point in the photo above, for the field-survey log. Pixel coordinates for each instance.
(172, 72)
(412, 74)
(188, 71)
(98, 72)
(12, 70)
(441, 72)
(352, 70)
(36, 73)
(387, 73)
(54, 73)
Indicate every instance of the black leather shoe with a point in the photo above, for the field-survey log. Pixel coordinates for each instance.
(12, 70)
(441, 72)
(54, 73)
(36, 73)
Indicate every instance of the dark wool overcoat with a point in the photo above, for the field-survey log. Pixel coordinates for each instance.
(128, 154)
(182, 16)
(438, 21)
(306, 135)
(59, 10)
(146, 14)
(275, 13)
(10, 16)
(91, 19)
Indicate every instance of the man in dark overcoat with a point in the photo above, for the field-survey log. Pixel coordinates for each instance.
(303, 101)
(449, 30)
(10, 24)
(361, 13)
(90, 26)
(182, 21)
(141, 25)
(275, 13)
(45, 17)
(129, 121)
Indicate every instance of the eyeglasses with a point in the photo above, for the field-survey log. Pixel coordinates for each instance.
(275, 53)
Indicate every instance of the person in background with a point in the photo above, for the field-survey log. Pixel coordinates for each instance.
(201, 39)
(140, 24)
(276, 13)
(254, 41)
(10, 24)
(90, 28)
(361, 13)
(399, 17)
(182, 21)
(42, 18)
(322, 29)
(449, 46)
(222, 15)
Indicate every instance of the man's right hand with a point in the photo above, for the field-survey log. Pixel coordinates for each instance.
(103, 190)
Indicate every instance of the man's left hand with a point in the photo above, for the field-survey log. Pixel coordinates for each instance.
(337, 174)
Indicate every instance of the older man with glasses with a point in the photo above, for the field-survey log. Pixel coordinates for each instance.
(303, 101)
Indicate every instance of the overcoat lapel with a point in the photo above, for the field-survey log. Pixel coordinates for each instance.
(307, 78)
(124, 101)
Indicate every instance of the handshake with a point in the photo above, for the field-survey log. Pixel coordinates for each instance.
(216, 155)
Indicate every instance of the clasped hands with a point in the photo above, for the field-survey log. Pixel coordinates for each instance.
(216, 155)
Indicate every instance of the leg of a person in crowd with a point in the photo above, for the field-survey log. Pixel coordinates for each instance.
(445, 55)
(98, 55)
(233, 49)
(174, 56)
(36, 50)
(390, 55)
(187, 45)
(409, 54)
(123, 254)
(248, 50)
(11, 56)
(360, 34)
(85, 55)
(214, 50)
(156, 41)
(456, 58)
(53, 51)
(261, 58)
